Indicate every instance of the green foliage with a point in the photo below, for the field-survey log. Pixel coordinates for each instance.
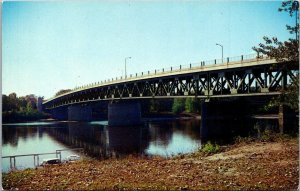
(286, 51)
(29, 108)
(156, 105)
(178, 105)
(192, 105)
(288, 97)
(210, 148)
(8, 104)
(17, 109)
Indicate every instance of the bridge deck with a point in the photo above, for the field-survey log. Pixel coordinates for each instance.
(200, 67)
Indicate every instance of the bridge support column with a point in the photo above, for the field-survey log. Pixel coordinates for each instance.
(124, 114)
(60, 113)
(286, 120)
(79, 113)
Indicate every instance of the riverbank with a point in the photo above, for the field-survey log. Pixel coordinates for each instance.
(23, 116)
(163, 116)
(244, 165)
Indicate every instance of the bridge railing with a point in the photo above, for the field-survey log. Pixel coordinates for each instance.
(242, 58)
(202, 64)
(36, 156)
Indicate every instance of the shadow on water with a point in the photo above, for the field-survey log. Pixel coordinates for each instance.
(100, 141)
(224, 131)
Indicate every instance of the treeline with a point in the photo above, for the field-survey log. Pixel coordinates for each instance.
(191, 105)
(177, 105)
(19, 109)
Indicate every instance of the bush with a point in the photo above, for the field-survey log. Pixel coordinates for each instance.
(210, 148)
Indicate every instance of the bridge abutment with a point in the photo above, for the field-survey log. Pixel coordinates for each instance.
(79, 113)
(124, 113)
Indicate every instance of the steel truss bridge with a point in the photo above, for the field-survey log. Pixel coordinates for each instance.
(250, 75)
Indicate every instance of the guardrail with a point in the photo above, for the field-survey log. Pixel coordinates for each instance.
(229, 60)
(12, 158)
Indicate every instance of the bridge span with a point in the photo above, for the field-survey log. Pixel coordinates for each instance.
(246, 75)
(250, 75)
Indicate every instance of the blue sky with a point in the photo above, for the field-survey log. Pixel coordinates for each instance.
(48, 46)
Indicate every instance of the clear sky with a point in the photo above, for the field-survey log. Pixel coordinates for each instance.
(48, 46)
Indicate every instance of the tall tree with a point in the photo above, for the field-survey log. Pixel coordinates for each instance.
(286, 51)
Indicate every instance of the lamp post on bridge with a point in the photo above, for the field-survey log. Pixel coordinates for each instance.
(222, 49)
(125, 66)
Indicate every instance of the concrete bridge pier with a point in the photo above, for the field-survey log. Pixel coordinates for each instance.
(124, 113)
(60, 113)
(79, 113)
(287, 120)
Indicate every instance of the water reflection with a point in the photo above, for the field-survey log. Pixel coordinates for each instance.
(12, 135)
(164, 138)
(100, 140)
(174, 137)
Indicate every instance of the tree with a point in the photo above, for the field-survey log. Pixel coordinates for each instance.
(29, 107)
(32, 99)
(286, 51)
(178, 105)
(12, 96)
(22, 103)
(10, 102)
(192, 105)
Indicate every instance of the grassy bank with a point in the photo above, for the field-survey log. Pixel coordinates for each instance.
(254, 165)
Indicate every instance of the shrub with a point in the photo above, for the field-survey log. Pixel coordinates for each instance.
(210, 148)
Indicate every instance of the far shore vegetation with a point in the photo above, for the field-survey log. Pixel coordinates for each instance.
(20, 109)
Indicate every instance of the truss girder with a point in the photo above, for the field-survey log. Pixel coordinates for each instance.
(249, 80)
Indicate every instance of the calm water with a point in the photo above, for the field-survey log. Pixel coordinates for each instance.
(164, 138)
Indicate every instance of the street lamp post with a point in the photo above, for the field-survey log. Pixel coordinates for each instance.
(125, 66)
(222, 49)
(297, 6)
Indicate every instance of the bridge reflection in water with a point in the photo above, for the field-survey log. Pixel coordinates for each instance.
(164, 138)
(102, 141)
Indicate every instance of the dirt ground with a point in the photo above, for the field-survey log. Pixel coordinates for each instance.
(256, 165)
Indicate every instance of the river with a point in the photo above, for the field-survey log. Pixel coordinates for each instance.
(164, 138)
